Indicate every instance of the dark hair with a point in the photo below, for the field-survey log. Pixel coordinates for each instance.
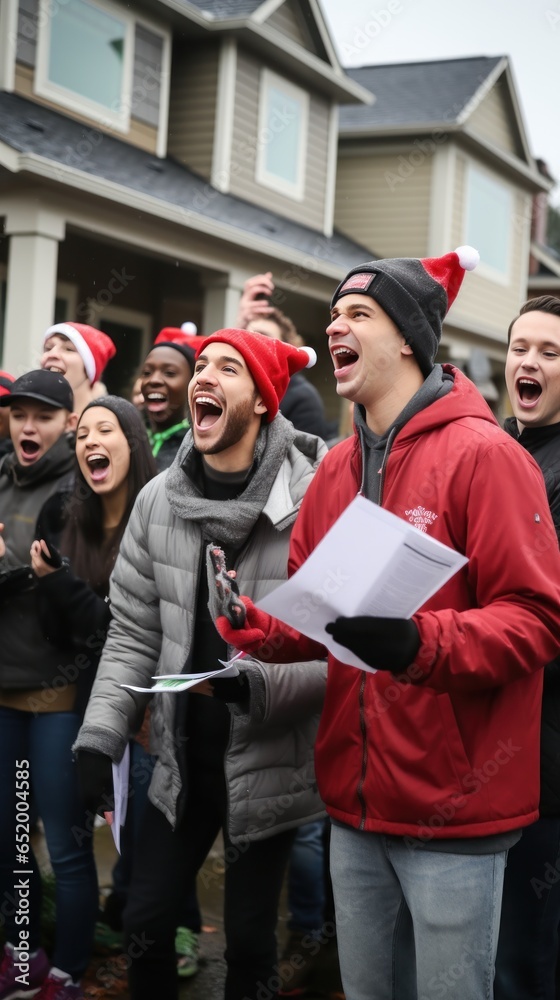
(544, 304)
(92, 555)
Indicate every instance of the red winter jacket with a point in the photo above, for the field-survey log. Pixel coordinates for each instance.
(454, 751)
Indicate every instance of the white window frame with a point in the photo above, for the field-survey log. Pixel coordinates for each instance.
(484, 269)
(117, 119)
(69, 292)
(119, 314)
(262, 175)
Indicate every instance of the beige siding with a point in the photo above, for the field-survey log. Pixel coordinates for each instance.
(311, 210)
(142, 135)
(192, 107)
(139, 134)
(494, 120)
(482, 302)
(288, 20)
(383, 202)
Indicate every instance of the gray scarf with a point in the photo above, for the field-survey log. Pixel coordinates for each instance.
(228, 522)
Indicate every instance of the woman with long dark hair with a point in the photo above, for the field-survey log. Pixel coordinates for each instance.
(77, 542)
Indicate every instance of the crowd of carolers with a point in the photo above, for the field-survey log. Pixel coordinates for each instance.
(119, 520)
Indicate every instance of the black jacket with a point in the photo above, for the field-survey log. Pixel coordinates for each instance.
(73, 617)
(27, 660)
(543, 443)
(303, 405)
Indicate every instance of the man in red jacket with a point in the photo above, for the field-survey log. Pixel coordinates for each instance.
(429, 767)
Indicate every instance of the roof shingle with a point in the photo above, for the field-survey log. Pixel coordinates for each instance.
(31, 128)
(421, 93)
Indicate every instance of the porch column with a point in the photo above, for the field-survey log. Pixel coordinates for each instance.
(221, 300)
(35, 233)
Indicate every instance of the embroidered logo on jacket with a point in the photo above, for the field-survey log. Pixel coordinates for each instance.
(420, 517)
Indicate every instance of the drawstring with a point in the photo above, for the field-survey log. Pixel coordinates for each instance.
(158, 438)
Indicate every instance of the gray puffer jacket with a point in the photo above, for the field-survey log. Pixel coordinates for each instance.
(269, 759)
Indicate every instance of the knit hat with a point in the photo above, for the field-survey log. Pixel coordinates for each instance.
(270, 362)
(94, 347)
(44, 386)
(6, 382)
(416, 294)
(182, 340)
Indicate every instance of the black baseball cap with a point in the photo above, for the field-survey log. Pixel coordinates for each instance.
(44, 386)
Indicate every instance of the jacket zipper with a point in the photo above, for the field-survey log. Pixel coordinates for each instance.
(361, 700)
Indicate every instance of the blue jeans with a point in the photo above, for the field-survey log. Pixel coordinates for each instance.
(306, 879)
(45, 740)
(414, 924)
(528, 942)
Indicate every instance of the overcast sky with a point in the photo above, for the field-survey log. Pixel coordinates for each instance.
(368, 32)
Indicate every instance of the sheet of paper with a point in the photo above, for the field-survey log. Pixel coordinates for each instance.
(174, 683)
(120, 789)
(371, 562)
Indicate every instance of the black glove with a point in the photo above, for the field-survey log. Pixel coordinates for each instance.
(95, 774)
(383, 643)
(15, 581)
(231, 688)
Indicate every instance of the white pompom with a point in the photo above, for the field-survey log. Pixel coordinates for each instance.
(468, 257)
(311, 354)
(189, 328)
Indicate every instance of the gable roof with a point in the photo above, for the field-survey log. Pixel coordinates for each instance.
(47, 143)
(248, 20)
(421, 94)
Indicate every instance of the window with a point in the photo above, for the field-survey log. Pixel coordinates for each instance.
(99, 60)
(282, 136)
(489, 210)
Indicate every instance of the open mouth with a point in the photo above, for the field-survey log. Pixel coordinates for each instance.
(207, 412)
(343, 359)
(156, 402)
(529, 391)
(30, 449)
(98, 466)
(55, 368)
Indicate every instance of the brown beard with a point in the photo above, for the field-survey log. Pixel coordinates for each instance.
(237, 423)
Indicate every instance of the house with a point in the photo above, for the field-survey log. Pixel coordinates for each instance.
(544, 260)
(438, 160)
(154, 155)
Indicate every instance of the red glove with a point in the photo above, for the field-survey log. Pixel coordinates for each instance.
(250, 636)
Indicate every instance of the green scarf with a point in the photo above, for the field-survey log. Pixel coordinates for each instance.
(158, 438)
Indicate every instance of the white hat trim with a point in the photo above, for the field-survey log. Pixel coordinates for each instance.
(311, 354)
(80, 344)
(468, 257)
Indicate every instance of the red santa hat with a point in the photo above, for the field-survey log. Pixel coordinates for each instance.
(416, 294)
(184, 334)
(94, 347)
(182, 339)
(270, 362)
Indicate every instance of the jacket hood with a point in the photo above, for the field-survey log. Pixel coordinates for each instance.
(463, 402)
(284, 461)
(57, 461)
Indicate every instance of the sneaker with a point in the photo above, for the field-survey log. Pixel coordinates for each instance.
(186, 948)
(38, 968)
(57, 988)
(107, 938)
(294, 966)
